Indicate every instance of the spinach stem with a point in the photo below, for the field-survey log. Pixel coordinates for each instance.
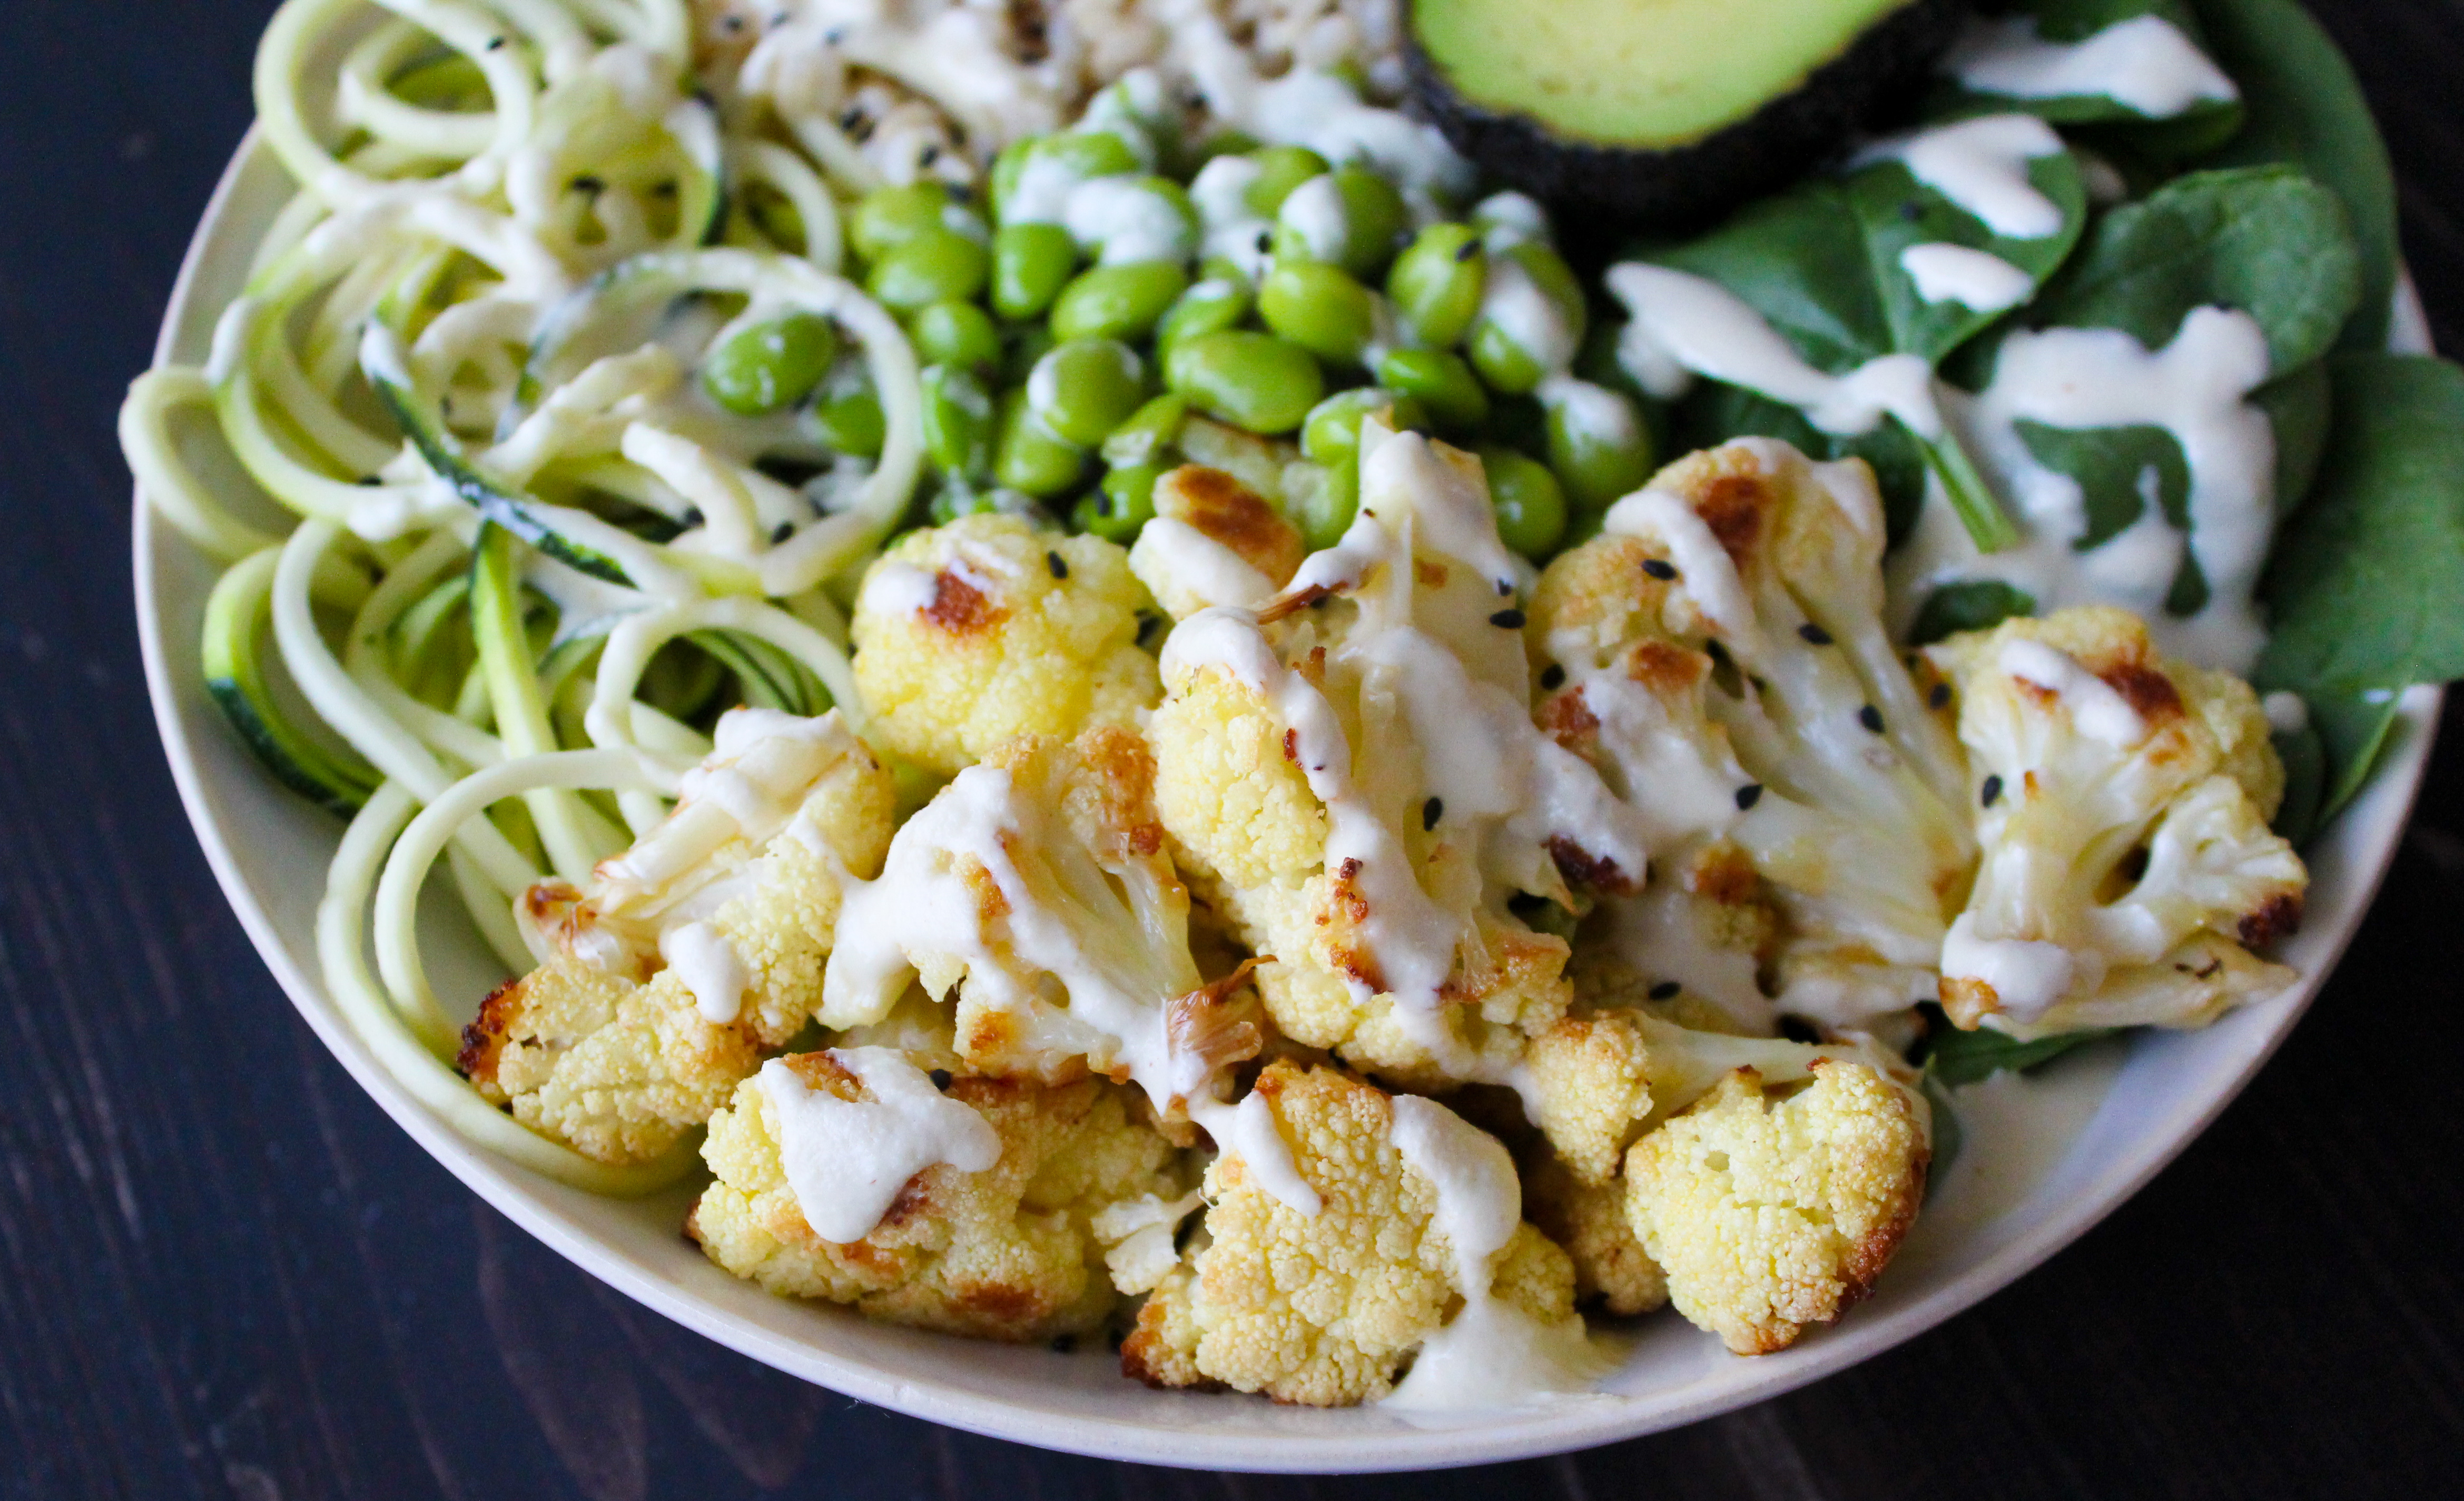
(1972, 499)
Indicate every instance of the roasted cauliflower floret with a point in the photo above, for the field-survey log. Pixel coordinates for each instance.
(1213, 541)
(1724, 665)
(696, 952)
(2122, 803)
(975, 632)
(999, 1250)
(1770, 1213)
(1612, 1271)
(1351, 778)
(1036, 885)
(1323, 1309)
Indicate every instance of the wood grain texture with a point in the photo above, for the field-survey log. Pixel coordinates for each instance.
(223, 1273)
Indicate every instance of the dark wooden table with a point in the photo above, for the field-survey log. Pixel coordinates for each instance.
(223, 1273)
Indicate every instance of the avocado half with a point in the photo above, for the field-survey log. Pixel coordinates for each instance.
(1664, 114)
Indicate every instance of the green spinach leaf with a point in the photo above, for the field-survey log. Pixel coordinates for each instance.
(1975, 605)
(1956, 1057)
(2302, 105)
(1822, 263)
(2268, 240)
(2364, 579)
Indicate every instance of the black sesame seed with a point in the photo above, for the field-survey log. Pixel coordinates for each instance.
(692, 517)
(589, 184)
(940, 1078)
(1748, 795)
(1055, 565)
(1815, 635)
(1992, 792)
(370, 480)
(1660, 568)
(1871, 719)
(1940, 695)
(782, 532)
(733, 23)
(851, 116)
(834, 35)
(1504, 587)
(1666, 990)
(1431, 812)
(1508, 620)
(1266, 239)
(930, 155)
(494, 42)
(1553, 678)
(1064, 1344)
(1468, 250)
(663, 190)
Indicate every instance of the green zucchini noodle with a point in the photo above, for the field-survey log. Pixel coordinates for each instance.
(524, 554)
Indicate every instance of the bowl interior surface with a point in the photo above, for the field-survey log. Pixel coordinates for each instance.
(2042, 1161)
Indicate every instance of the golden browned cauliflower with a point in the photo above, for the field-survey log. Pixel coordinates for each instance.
(1772, 1212)
(998, 1251)
(1612, 1271)
(2122, 804)
(1036, 886)
(1323, 1309)
(975, 632)
(1719, 655)
(696, 952)
(1213, 541)
(1352, 779)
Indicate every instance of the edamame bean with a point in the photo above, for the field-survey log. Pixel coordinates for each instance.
(851, 423)
(1032, 178)
(1250, 380)
(934, 266)
(956, 333)
(1530, 506)
(1122, 505)
(1444, 384)
(1350, 217)
(957, 422)
(1117, 301)
(889, 217)
(1213, 303)
(1334, 426)
(1280, 170)
(1597, 443)
(1084, 389)
(1148, 435)
(1436, 283)
(1028, 457)
(771, 365)
(1319, 308)
(1324, 511)
(1530, 321)
(1031, 263)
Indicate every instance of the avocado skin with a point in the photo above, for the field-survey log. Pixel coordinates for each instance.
(1881, 77)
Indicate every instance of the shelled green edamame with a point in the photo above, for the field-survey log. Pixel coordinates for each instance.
(1075, 318)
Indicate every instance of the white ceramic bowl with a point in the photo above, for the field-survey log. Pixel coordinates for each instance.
(2042, 1163)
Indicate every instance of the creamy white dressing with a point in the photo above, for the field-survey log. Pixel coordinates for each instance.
(1981, 166)
(1249, 1131)
(1315, 214)
(1491, 1353)
(2286, 712)
(708, 964)
(1512, 301)
(1707, 574)
(1507, 219)
(900, 588)
(1124, 219)
(1187, 571)
(846, 1160)
(1975, 280)
(2141, 62)
(1657, 933)
(2095, 709)
(1589, 412)
(1681, 325)
(2196, 389)
(752, 785)
(2028, 975)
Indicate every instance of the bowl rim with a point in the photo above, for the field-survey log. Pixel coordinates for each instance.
(521, 1195)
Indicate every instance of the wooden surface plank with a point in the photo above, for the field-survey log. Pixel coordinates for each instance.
(223, 1273)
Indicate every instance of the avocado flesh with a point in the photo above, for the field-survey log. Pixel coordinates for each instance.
(1663, 114)
(1638, 72)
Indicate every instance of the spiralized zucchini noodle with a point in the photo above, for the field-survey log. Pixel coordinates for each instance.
(526, 555)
